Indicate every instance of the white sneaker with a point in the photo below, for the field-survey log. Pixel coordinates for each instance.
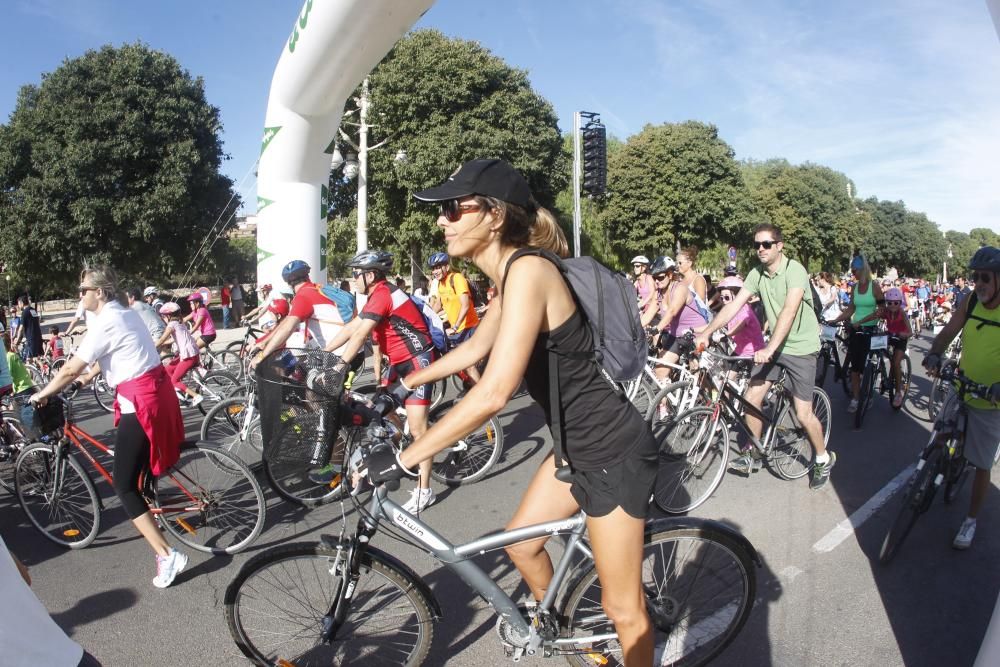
(420, 499)
(197, 400)
(965, 534)
(168, 567)
(852, 406)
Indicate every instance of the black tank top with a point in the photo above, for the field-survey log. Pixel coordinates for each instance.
(601, 426)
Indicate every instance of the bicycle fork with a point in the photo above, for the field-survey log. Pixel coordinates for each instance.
(348, 566)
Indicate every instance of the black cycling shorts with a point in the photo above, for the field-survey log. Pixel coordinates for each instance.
(421, 395)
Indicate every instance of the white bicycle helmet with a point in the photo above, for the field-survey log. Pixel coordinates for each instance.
(640, 259)
(150, 291)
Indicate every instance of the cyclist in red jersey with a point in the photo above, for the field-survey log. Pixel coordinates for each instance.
(400, 332)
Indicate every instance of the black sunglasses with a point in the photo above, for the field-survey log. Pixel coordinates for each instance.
(453, 211)
(893, 303)
(660, 276)
(766, 245)
(983, 277)
(86, 288)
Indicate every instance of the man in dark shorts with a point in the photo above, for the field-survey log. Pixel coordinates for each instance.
(783, 287)
(399, 330)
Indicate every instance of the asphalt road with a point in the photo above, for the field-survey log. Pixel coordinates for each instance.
(823, 598)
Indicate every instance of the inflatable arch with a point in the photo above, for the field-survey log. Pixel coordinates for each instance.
(333, 45)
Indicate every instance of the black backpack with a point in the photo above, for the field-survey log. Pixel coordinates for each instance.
(817, 302)
(607, 301)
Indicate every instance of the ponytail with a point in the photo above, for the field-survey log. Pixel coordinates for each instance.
(547, 234)
(535, 227)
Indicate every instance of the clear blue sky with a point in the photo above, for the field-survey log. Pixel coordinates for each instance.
(901, 95)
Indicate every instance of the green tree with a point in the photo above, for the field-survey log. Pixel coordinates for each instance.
(982, 236)
(674, 183)
(812, 206)
(445, 101)
(962, 247)
(905, 240)
(113, 158)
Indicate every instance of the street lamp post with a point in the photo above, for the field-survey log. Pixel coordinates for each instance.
(7, 276)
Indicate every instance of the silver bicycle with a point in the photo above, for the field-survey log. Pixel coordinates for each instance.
(343, 601)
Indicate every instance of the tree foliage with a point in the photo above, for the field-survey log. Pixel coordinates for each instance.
(113, 158)
(445, 101)
(812, 206)
(905, 240)
(674, 183)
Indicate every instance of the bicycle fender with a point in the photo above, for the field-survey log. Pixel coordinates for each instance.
(387, 558)
(696, 523)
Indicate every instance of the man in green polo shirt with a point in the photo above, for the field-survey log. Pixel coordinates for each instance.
(783, 287)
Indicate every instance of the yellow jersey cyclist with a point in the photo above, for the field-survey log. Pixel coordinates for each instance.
(455, 297)
(978, 320)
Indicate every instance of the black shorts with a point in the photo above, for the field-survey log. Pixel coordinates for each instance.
(627, 484)
(421, 395)
(208, 338)
(900, 345)
(857, 349)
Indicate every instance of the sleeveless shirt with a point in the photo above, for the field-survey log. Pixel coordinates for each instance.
(601, 425)
(864, 304)
(981, 351)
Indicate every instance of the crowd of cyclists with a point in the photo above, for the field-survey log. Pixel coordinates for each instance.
(531, 330)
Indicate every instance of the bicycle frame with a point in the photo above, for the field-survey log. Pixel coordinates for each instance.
(457, 558)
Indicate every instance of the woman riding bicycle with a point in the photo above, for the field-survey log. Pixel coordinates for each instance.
(488, 214)
(662, 270)
(202, 325)
(645, 286)
(150, 428)
(865, 298)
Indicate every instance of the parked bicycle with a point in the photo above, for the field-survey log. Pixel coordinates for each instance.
(209, 500)
(694, 455)
(941, 462)
(345, 601)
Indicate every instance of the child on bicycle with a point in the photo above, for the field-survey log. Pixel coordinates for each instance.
(22, 386)
(187, 353)
(897, 324)
(56, 348)
(202, 325)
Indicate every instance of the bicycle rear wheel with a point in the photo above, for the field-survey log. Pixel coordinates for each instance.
(277, 604)
(692, 461)
(469, 459)
(662, 410)
(210, 501)
(919, 494)
(792, 453)
(699, 584)
(57, 495)
(104, 394)
(225, 426)
(216, 386)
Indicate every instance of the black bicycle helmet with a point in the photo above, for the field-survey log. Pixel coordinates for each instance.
(986, 258)
(295, 271)
(372, 260)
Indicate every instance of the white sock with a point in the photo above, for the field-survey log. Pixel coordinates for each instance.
(823, 458)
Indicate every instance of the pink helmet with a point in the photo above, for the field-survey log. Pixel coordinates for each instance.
(730, 282)
(894, 294)
(169, 308)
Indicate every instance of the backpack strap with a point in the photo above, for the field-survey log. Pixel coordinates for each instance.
(973, 301)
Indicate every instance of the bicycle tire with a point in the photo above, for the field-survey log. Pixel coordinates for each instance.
(866, 396)
(688, 562)
(791, 456)
(906, 371)
(223, 426)
(472, 457)
(221, 506)
(662, 410)
(958, 471)
(103, 393)
(917, 498)
(939, 394)
(276, 604)
(73, 518)
(12, 441)
(643, 393)
(232, 362)
(216, 386)
(690, 465)
(287, 467)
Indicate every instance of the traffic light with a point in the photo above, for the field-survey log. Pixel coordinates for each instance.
(595, 159)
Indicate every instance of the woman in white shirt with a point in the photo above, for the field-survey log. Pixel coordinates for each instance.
(148, 417)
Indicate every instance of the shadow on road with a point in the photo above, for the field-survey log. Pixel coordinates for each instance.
(94, 607)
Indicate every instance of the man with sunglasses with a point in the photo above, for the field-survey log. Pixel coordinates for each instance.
(977, 318)
(783, 286)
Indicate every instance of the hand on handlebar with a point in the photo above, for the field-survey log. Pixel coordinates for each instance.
(932, 362)
(384, 466)
(701, 342)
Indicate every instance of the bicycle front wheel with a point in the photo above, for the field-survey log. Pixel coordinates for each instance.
(225, 426)
(940, 391)
(57, 495)
(699, 584)
(277, 604)
(286, 464)
(12, 440)
(216, 386)
(692, 461)
(919, 494)
(210, 501)
(469, 459)
(867, 395)
(104, 394)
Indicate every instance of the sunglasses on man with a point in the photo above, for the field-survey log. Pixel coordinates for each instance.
(453, 211)
(982, 277)
(766, 245)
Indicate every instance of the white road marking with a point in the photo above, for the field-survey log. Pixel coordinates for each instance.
(846, 528)
(790, 573)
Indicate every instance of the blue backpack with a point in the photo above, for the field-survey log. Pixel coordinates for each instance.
(344, 301)
(434, 324)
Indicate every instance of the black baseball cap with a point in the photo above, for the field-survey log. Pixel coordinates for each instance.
(490, 178)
